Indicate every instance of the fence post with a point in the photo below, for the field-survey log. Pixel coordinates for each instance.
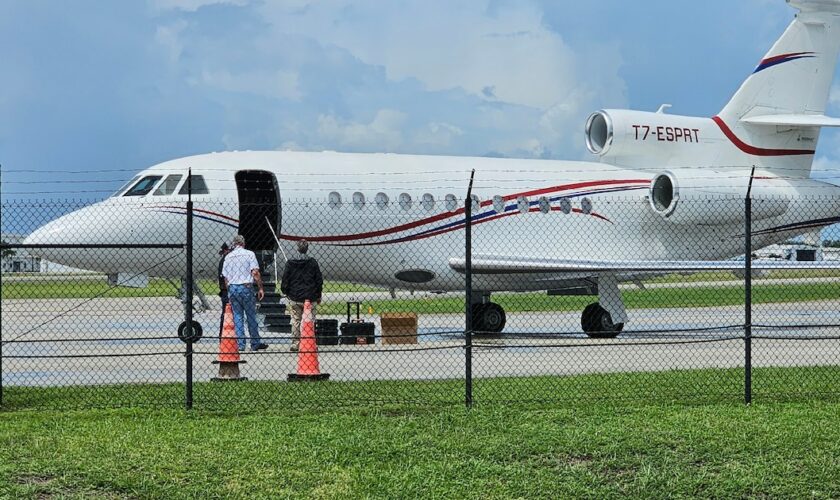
(189, 293)
(1, 336)
(1, 329)
(748, 292)
(468, 397)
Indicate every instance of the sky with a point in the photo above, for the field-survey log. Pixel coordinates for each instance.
(92, 91)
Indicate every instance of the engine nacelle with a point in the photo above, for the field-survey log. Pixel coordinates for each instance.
(712, 197)
(638, 138)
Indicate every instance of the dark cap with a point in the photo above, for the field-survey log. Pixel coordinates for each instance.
(224, 249)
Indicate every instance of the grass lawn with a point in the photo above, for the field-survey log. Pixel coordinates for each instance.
(425, 304)
(594, 443)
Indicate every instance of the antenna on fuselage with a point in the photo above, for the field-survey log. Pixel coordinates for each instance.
(271, 228)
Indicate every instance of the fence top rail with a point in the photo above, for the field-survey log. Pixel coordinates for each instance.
(93, 245)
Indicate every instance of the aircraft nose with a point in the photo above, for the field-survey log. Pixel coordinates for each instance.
(86, 226)
(70, 229)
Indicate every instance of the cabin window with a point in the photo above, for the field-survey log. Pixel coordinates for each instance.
(143, 186)
(451, 202)
(334, 200)
(523, 205)
(544, 204)
(198, 185)
(566, 205)
(498, 204)
(428, 201)
(586, 206)
(381, 201)
(358, 200)
(476, 203)
(405, 201)
(168, 185)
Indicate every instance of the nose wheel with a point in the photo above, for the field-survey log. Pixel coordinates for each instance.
(598, 324)
(488, 317)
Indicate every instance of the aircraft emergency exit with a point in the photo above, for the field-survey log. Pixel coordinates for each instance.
(396, 221)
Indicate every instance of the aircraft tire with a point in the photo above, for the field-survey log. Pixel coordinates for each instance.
(478, 317)
(597, 323)
(493, 317)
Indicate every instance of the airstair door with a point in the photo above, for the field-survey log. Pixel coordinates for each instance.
(259, 207)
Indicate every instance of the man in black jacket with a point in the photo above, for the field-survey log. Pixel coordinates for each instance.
(302, 281)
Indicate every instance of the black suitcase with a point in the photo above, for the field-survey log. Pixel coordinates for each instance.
(326, 331)
(357, 331)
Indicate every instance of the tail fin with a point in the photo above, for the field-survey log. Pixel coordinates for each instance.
(795, 76)
(781, 106)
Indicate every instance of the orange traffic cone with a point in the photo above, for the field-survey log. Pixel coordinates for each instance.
(307, 366)
(228, 359)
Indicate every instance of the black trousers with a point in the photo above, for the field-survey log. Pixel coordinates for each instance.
(222, 318)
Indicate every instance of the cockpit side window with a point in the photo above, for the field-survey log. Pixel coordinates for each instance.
(198, 185)
(126, 185)
(143, 186)
(168, 185)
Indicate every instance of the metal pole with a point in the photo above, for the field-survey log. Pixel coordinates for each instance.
(189, 292)
(468, 299)
(748, 292)
(1, 292)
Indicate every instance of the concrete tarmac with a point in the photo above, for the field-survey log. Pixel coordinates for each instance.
(109, 341)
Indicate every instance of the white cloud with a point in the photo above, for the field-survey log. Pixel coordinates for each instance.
(437, 134)
(190, 5)
(383, 132)
(508, 55)
(169, 37)
(447, 78)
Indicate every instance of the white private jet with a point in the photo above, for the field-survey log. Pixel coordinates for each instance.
(667, 194)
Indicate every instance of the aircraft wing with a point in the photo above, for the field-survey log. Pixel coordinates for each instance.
(491, 264)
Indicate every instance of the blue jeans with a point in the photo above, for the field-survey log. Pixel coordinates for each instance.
(242, 301)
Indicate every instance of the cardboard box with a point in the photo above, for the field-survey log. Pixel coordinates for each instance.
(399, 328)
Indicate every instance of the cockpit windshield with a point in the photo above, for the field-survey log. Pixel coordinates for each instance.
(126, 185)
(168, 186)
(143, 186)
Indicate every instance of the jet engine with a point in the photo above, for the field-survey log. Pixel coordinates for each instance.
(640, 139)
(715, 197)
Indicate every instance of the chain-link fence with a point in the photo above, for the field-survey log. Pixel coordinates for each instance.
(564, 293)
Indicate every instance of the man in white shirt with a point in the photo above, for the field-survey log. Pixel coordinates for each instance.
(241, 272)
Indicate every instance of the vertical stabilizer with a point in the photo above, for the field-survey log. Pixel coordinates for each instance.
(776, 115)
(795, 76)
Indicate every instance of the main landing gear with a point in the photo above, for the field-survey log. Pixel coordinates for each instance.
(488, 317)
(597, 322)
(600, 320)
(605, 319)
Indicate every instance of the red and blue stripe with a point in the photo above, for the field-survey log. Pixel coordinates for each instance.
(783, 58)
(587, 188)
